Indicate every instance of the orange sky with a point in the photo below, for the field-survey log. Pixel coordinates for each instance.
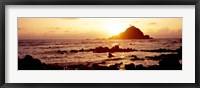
(91, 28)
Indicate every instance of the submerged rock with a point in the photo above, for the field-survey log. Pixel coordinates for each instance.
(110, 55)
(73, 51)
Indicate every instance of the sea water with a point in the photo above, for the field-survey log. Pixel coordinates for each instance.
(47, 50)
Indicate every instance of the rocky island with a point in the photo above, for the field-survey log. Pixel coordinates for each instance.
(131, 33)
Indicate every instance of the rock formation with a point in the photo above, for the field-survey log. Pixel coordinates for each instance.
(131, 33)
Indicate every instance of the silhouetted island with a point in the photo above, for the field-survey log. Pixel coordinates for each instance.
(131, 33)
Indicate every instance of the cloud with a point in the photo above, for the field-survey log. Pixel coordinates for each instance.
(152, 23)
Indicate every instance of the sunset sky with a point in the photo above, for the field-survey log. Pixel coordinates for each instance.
(91, 28)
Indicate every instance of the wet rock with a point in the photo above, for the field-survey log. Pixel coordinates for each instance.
(113, 67)
(103, 62)
(118, 64)
(179, 50)
(135, 58)
(73, 51)
(115, 48)
(170, 64)
(29, 63)
(159, 50)
(140, 67)
(82, 50)
(113, 59)
(110, 55)
(52, 66)
(101, 49)
(130, 66)
(154, 67)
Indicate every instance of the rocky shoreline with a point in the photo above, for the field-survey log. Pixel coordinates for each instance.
(166, 61)
(115, 48)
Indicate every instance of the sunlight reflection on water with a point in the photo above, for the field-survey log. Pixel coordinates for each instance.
(46, 50)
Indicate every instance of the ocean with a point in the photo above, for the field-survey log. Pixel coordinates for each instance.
(47, 50)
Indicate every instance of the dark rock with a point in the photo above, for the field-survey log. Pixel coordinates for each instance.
(113, 59)
(62, 52)
(131, 33)
(73, 51)
(101, 49)
(110, 55)
(159, 50)
(170, 64)
(115, 48)
(52, 66)
(135, 58)
(154, 67)
(81, 50)
(29, 63)
(179, 50)
(140, 67)
(103, 62)
(78, 67)
(130, 66)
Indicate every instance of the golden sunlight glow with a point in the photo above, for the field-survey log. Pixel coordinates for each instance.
(114, 26)
(92, 28)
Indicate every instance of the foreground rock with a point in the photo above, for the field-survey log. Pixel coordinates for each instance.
(166, 62)
(29, 63)
(131, 33)
(170, 64)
